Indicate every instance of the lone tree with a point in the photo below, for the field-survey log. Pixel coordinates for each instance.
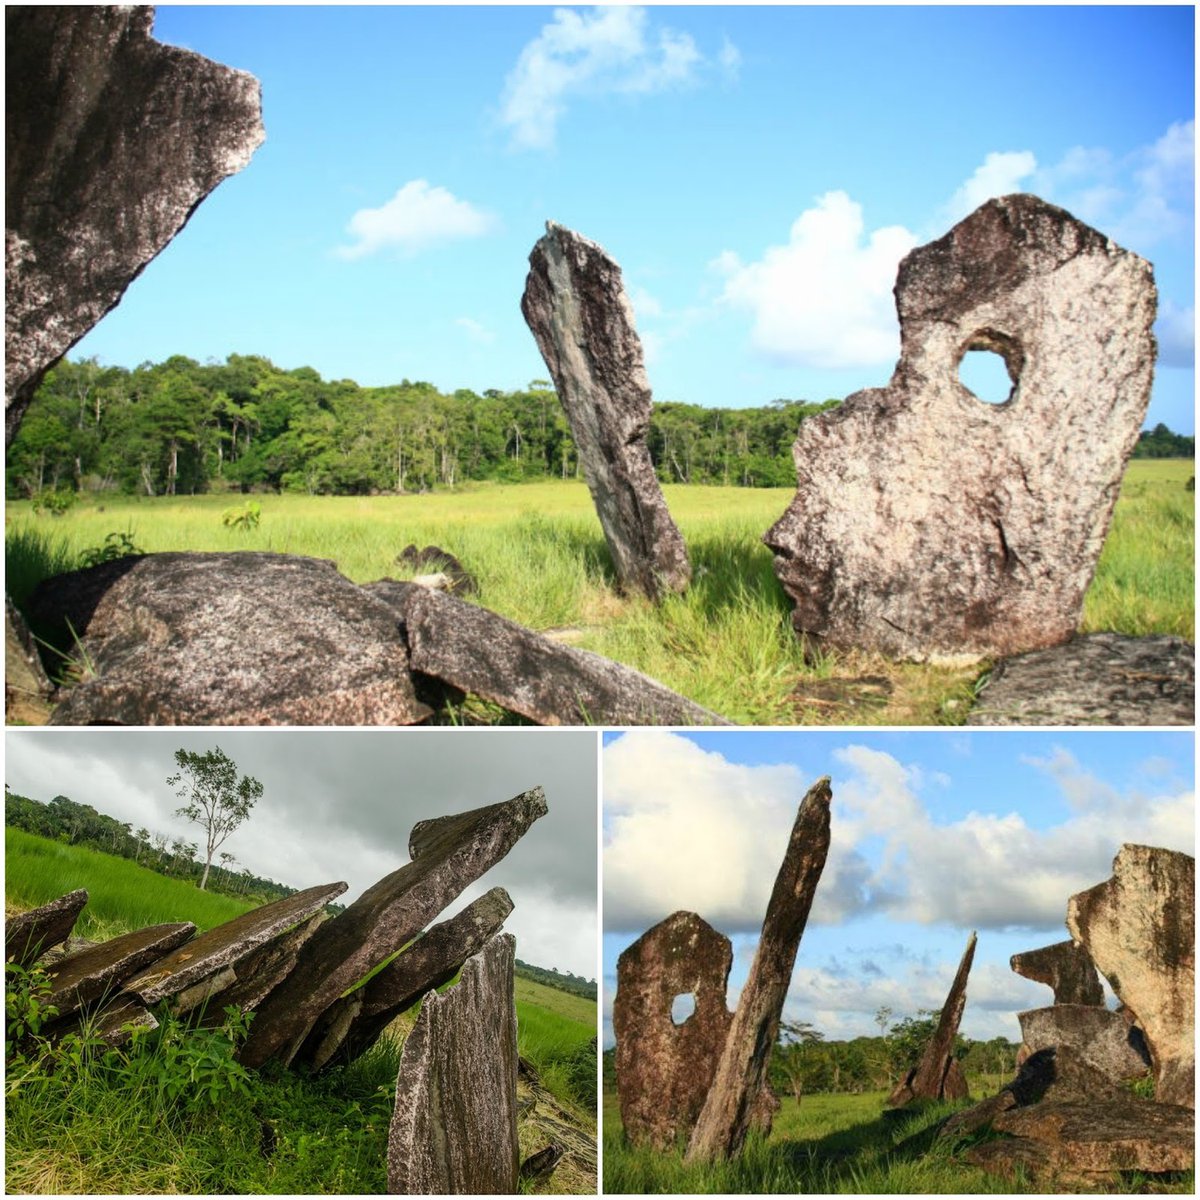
(214, 797)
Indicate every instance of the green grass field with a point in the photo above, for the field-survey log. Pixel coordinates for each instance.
(539, 555)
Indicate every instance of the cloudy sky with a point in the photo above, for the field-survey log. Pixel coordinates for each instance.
(934, 834)
(340, 805)
(757, 171)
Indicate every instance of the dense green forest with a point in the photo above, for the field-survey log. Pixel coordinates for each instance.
(563, 980)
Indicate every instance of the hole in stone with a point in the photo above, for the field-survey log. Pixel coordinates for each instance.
(984, 374)
(682, 1007)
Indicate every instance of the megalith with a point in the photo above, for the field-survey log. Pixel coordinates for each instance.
(29, 935)
(729, 1109)
(930, 525)
(664, 1068)
(1091, 1034)
(1140, 929)
(576, 307)
(938, 1076)
(112, 139)
(1066, 967)
(454, 1129)
(448, 854)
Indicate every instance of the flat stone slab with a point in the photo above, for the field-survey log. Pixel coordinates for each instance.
(82, 978)
(1100, 1038)
(166, 636)
(1094, 679)
(112, 1022)
(930, 525)
(29, 935)
(454, 1131)
(1066, 967)
(225, 944)
(535, 676)
(448, 854)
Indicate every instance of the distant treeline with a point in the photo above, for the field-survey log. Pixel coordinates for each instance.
(563, 980)
(1160, 442)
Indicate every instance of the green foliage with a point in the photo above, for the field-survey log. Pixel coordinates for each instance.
(563, 980)
(25, 1004)
(118, 544)
(245, 516)
(1160, 442)
(562, 1049)
(53, 503)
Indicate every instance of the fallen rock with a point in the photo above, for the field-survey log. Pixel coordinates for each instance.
(454, 1131)
(552, 684)
(665, 1070)
(1103, 1040)
(1066, 967)
(1140, 929)
(113, 1022)
(448, 854)
(741, 1074)
(1094, 679)
(353, 1024)
(30, 934)
(442, 570)
(112, 140)
(231, 639)
(930, 525)
(575, 306)
(938, 1076)
(541, 1165)
(225, 944)
(27, 688)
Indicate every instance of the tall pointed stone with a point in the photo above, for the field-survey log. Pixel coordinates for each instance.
(728, 1112)
(576, 307)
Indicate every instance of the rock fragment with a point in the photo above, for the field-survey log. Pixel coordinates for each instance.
(454, 1131)
(30, 934)
(1066, 967)
(575, 306)
(930, 525)
(728, 1111)
(1099, 1038)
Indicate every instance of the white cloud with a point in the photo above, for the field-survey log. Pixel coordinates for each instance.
(1000, 174)
(604, 51)
(414, 219)
(730, 59)
(476, 331)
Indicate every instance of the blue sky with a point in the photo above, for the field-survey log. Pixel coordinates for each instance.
(757, 171)
(935, 834)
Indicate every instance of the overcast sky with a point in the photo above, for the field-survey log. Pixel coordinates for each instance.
(340, 805)
(934, 834)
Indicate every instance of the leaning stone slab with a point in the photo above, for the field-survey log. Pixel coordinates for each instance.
(1066, 967)
(30, 934)
(113, 1022)
(930, 525)
(448, 854)
(112, 140)
(1100, 1038)
(226, 944)
(665, 1070)
(576, 308)
(454, 1131)
(353, 1024)
(1140, 929)
(938, 1076)
(167, 637)
(80, 979)
(535, 676)
(1094, 679)
(741, 1074)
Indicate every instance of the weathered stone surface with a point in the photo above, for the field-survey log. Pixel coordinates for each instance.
(80, 979)
(443, 570)
(664, 1070)
(1066, 967)
(448, 854)
(27, 688)
(1140, 929)
(454, 1131)
(227, 943)
(111, 1022)
(1094, 679)
(540, 1166)
(1100, 1038)
(169, 638)
(541, 679)
(111, 141)
(930, 525)
(352, 1024)
(937, 1076)
(576, 307)
(28, 935)
(727, 1114)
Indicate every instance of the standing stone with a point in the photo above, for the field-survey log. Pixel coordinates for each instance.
(741, 1074)
(930, 525)
(1066, 967)
(29, 935)
(112, 139)
(448, 854)
(576, 307)
(1099, 1038)
(1140, 929)
(938, 1076)
(665, 1070)
(454, 1130)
